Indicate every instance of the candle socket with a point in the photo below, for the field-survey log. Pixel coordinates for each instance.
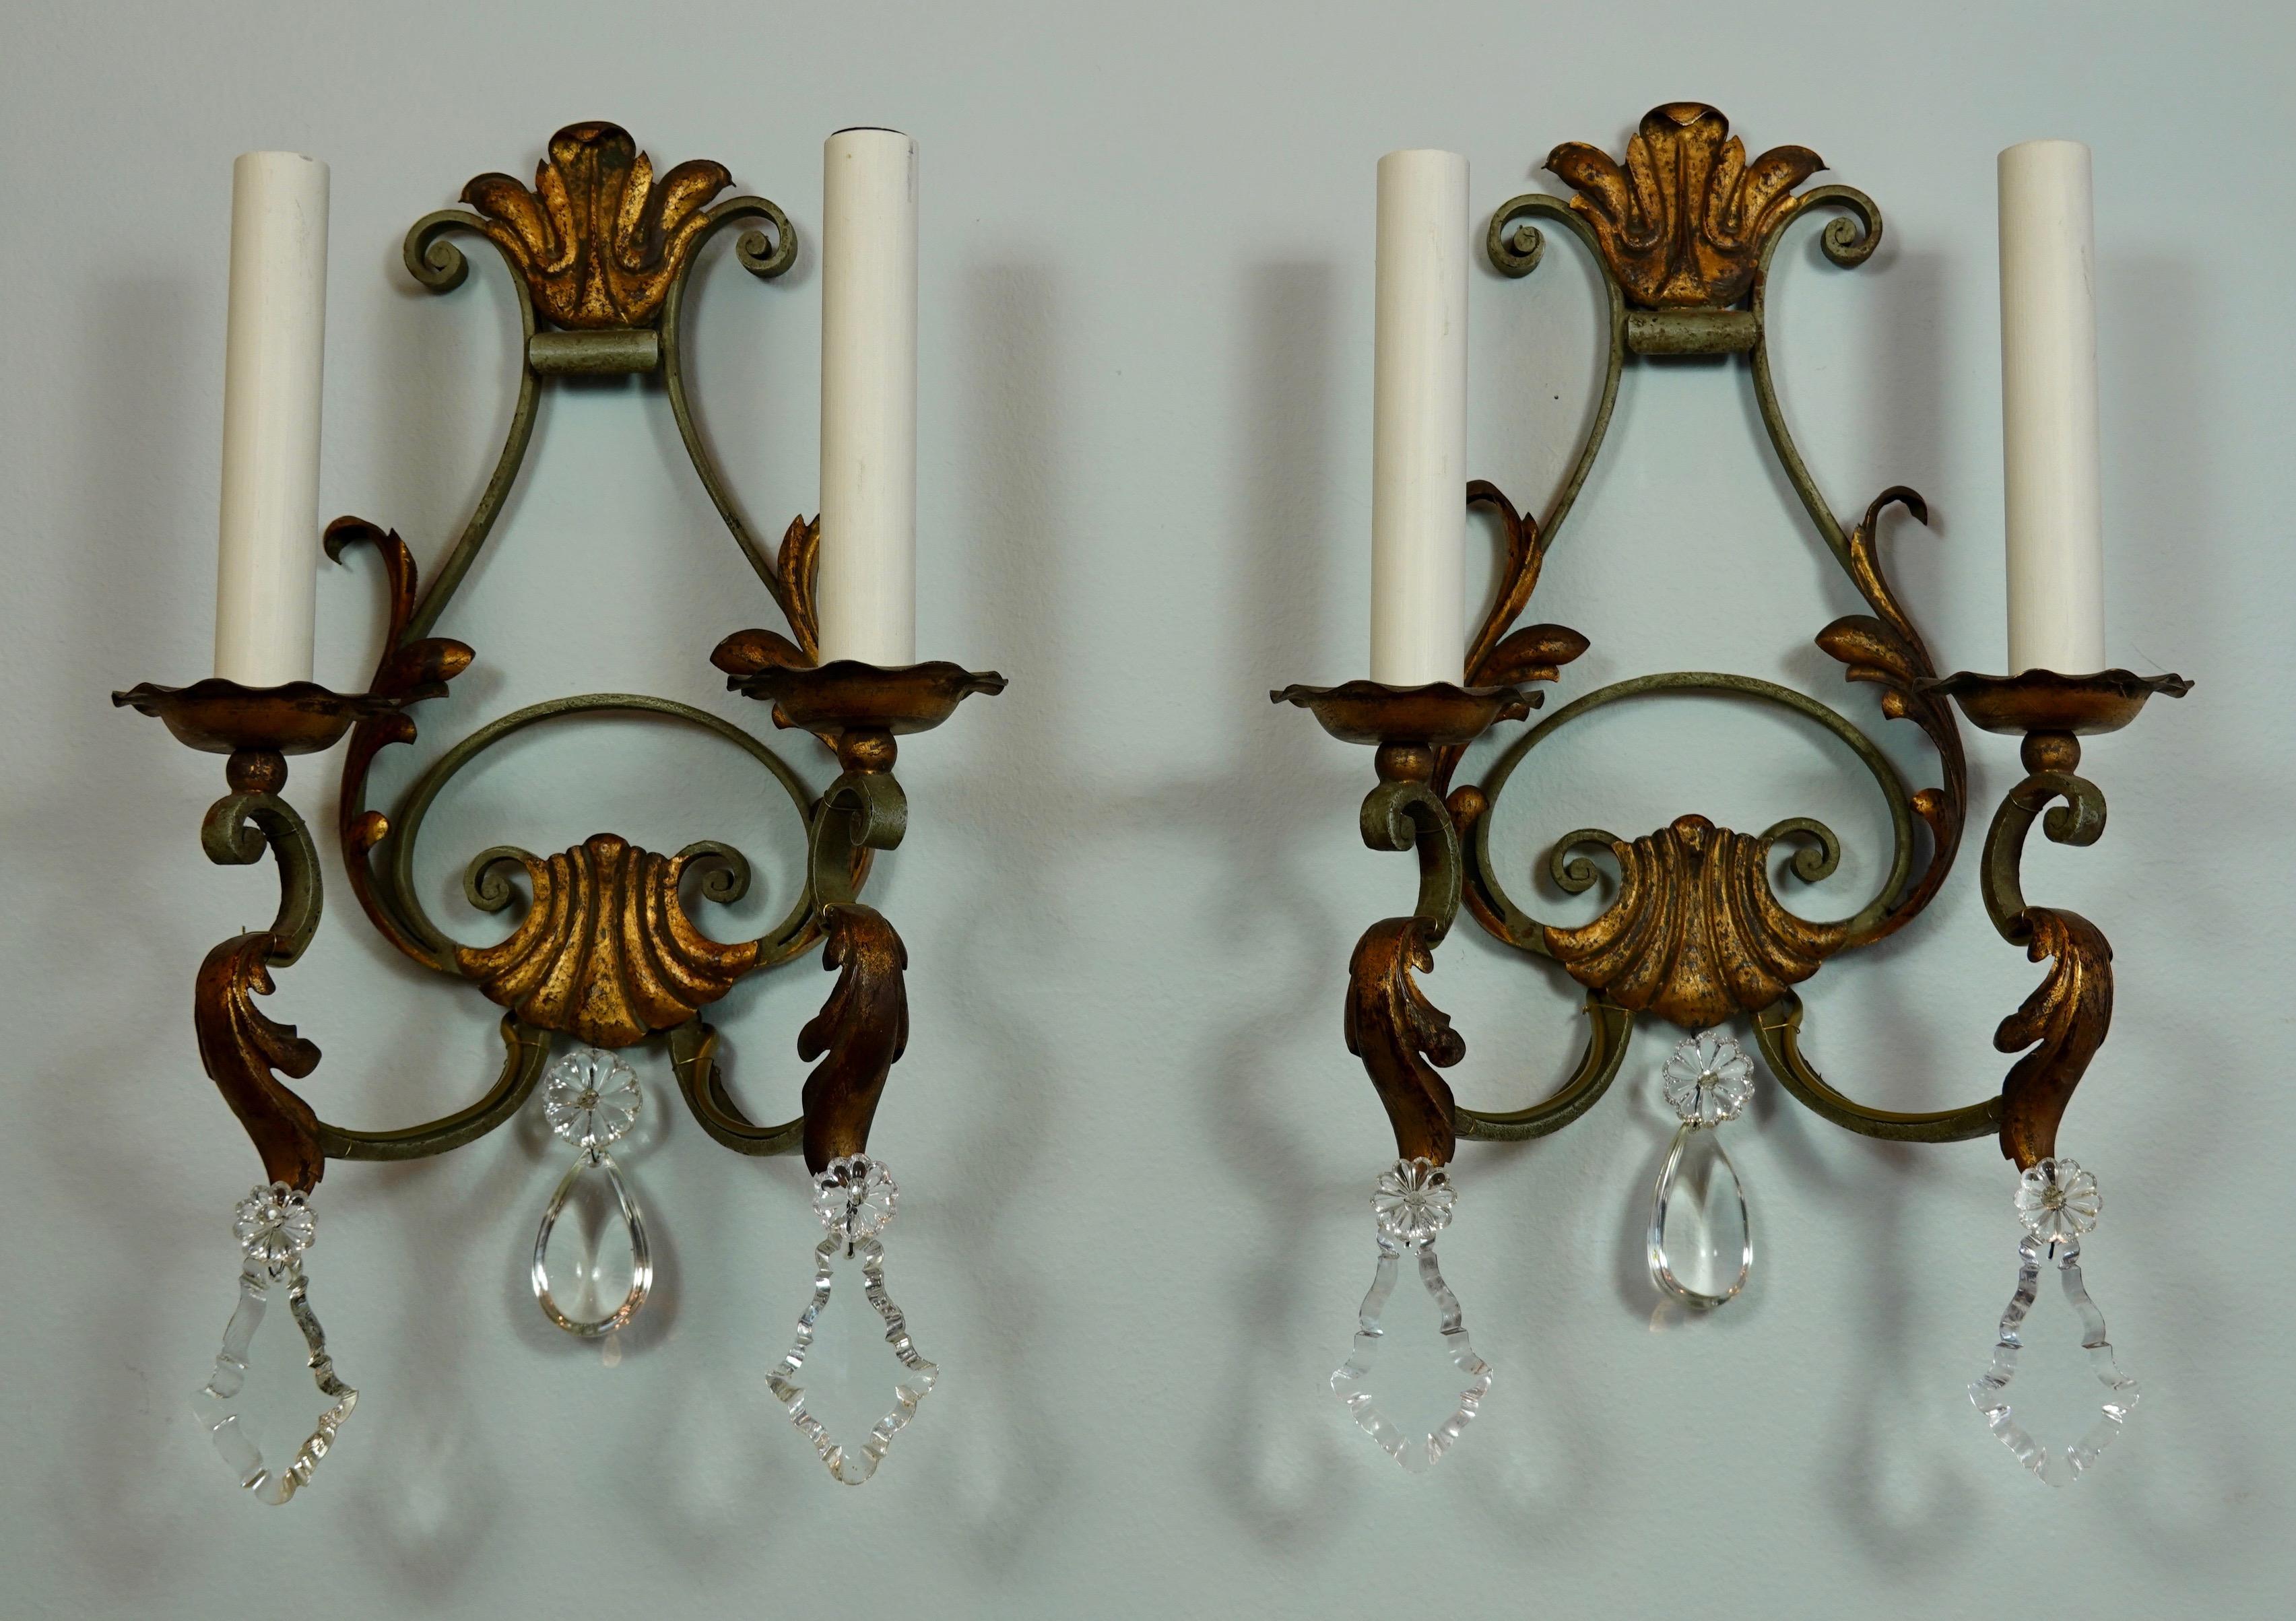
(2040, 701)
(1441, 714)
(219, 717)
(845, 697)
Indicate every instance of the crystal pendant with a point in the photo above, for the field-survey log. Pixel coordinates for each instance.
(274, 1227)
(855, 1197)
(2058, 1202)
(591, 1099)
(1702, 1248)
(1411, 1203)
(1701, 1245)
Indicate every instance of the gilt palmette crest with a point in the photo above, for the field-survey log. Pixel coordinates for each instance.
(1682, 224)
(597, 240)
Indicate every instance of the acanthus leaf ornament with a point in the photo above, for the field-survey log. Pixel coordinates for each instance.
(415, 669)
(1682, 224)
(244, 1051)
(2064, 1021)
(1402, 1037)
(797, 565)
(598, 241)
(1535, 652)
(1886, 649)
(858, 1035)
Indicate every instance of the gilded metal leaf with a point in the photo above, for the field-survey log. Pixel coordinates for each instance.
(1401, 1037)
(858, 1035)
(245, 1052)
(2067, 1015)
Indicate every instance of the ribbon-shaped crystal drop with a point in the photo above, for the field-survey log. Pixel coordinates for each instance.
(1411, 1203)
(274, 1227)
(2058, 1202)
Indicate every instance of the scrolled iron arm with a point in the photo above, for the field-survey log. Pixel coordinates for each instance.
(764, 257)
(861, 1028)
(245, 1052)
(1516, 253)
(2066, 1018)
(2064, 1021)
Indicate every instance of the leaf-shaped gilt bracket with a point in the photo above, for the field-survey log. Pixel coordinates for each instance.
(1683, 233)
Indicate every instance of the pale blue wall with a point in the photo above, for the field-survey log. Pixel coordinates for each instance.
(1132, 1150)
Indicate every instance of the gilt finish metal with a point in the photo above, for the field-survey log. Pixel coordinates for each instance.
(1684, 234)
(2065, 1019)
(601, 254)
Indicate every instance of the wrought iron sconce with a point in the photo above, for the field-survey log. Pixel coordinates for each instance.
(607, 952)
(1684, 237)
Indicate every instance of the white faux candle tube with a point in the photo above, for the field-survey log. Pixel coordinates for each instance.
(2055, 528)
(1419, 421)
(268, 562)
(867, 589)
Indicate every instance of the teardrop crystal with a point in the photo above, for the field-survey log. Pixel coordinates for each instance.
(1701, 1246)
(588, 1294)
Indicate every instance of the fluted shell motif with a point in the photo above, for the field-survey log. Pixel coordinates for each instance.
(1682, 224)
(606, 952)
(597, 240)
(1695, 934)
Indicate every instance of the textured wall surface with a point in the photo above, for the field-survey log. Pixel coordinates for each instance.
(1134, 1153)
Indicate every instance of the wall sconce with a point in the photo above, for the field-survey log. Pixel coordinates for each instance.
(1682, 235)
(607, 952)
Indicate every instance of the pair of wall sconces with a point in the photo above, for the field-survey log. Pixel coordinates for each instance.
(609, 955)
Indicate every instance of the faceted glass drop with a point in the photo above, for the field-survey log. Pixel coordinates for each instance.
(1411, 1203)
(852, 1466)
(2057, 1466)
(1416, 1452)
(592, 1275)
(275, 1228)
(1701, 1246)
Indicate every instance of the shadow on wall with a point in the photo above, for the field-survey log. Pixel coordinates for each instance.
(1285, 1476)
(123, 1084)
(1012, 1461)
(2170, 561)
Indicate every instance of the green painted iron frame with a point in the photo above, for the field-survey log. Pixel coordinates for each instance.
(1683, 237)
(605, 950)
